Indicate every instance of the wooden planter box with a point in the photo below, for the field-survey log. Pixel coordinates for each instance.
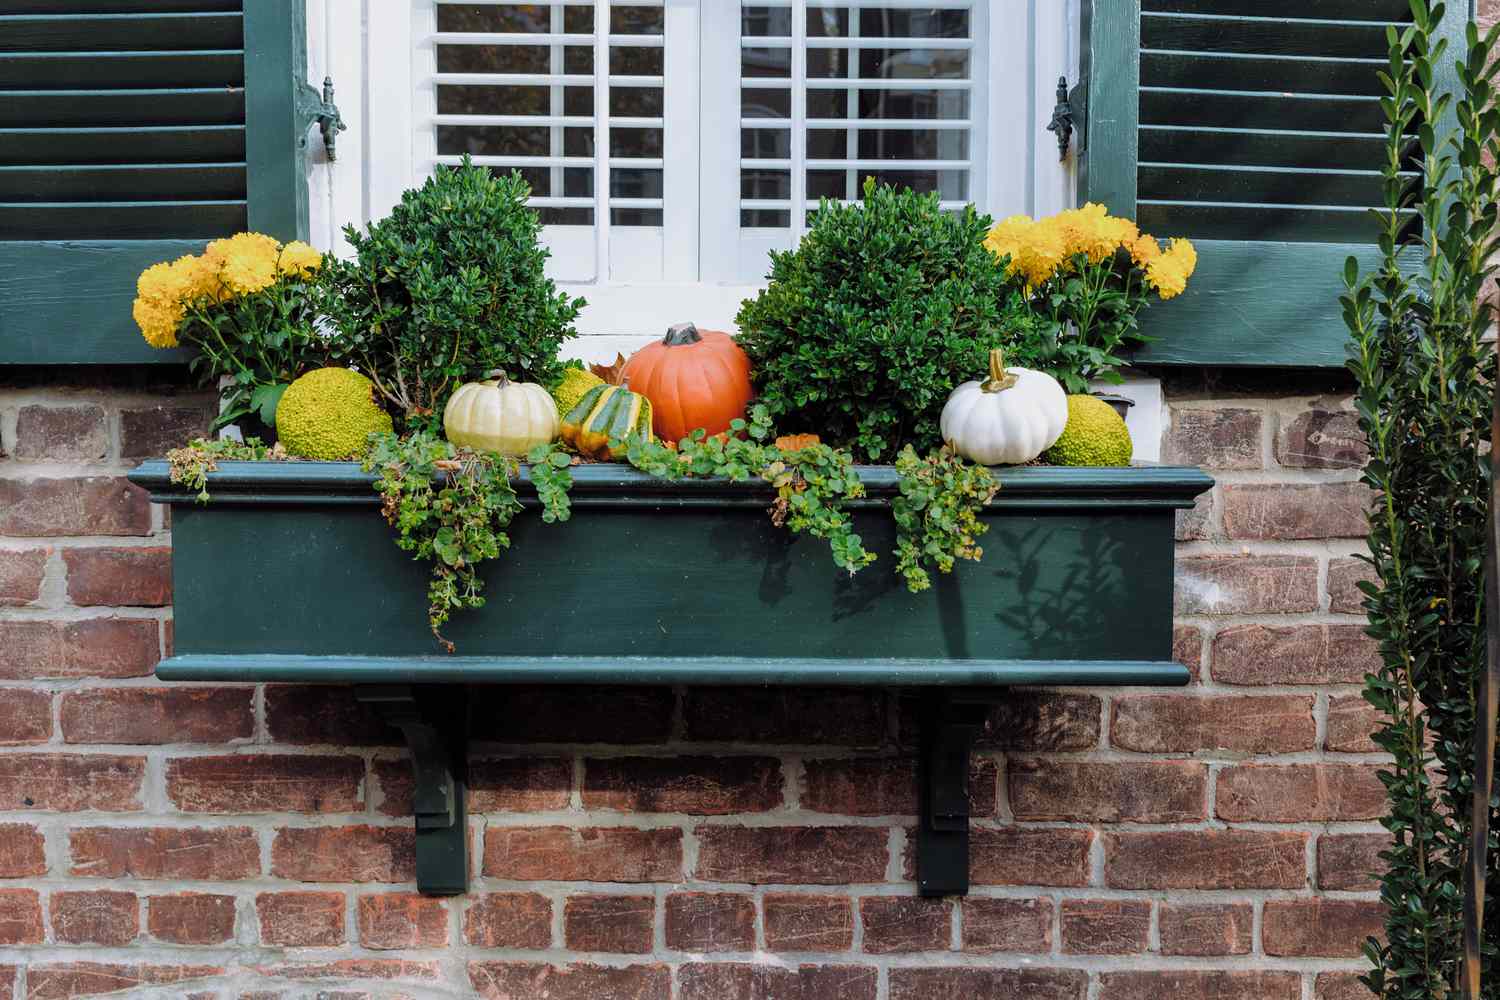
(290, 574)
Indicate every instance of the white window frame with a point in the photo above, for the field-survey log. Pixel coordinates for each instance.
(1027, 45)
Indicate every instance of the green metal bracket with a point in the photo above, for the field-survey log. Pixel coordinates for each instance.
(318, 109)
(949, 727)
(435, 722)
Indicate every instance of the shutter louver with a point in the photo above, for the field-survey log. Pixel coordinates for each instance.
(124, 141)
(1254, 128)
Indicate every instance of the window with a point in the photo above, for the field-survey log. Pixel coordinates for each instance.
(670, 144)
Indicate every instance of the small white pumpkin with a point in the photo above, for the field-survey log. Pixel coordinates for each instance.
(500, 415)
(1008, 419)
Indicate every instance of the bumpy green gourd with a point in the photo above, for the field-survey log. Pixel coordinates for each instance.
(575, 382)
(329, 414)
(1095, 436)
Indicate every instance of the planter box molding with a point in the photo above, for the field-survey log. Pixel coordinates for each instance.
(290, 574)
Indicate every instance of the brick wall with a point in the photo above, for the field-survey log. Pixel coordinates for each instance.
(237, 841)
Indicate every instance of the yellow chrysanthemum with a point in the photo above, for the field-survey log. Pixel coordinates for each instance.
(1170, 272)
(1088, 231)
(247, 261)
(1144, 249)
(1034, 248)
(243, 245)
(297, 258)
(158, 307)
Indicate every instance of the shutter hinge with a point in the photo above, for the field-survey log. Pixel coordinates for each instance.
(1064, 117)
(315, 108)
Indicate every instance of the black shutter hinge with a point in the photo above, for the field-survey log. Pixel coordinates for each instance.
(1064, 117)
(318, 109)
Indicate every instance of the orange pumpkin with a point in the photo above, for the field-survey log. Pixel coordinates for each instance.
(694, 379)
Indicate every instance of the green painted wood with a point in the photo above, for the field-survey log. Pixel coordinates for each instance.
(707, 671)
(73, 70)
(1079, 568)
(1267, 74)
(1269, 276)
(134, 144)
(123, 182)
(1167, 181)
(152, 115)
(118, 32)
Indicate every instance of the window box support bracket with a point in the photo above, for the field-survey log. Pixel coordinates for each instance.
(434, 721)
(949, 728)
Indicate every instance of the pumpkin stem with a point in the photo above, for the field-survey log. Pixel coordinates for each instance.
(681, 334)
(497, 375)
(999, 379)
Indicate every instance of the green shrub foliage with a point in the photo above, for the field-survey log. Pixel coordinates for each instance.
(1425, 384)
(447, 287)
(867, 326)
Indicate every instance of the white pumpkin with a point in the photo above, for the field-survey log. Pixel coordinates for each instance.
(500, 415)
(1008, 419)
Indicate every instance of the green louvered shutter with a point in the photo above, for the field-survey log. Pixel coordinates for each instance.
(132, 131)
(1253, 127)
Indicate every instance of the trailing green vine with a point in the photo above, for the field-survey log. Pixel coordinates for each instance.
(190, 465)
(812, 483)
(452, 508)
(937, 513)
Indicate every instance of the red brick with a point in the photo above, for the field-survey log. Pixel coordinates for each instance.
(1352, 723)
(1227, 438)
(1105, 926)
(1013, 925)
(1196, 522)
(1344, 577)
(1351, 861)
(301, 919)
(20, 917)
(216, 855)
(191, 918)
(96, 917)
(21, 574)
(93, 647)
(525, 980)
(591, 854)
(1286, 511)
(391, 969)
(710, 921)
(735, 981)
(65, 980)
(626, 714)
(509, 920)
(988, 984)
(69, 782)
(61, 434)
(1320, 928)
(802, 922)
(1108, 792)
(396, 920)
(22, 851)
(1195, 985)
(1340, 986)
(622, 925)
(1206, 859)
(699, 786)
(309, 715)
(1206, 929)
(88, 505)
(145, 716)
(151, 432)
(508, 784)
(1246, 584)
(1014, 856)
(1254, 655)
(886, 786)
(798, 855)
(119, 577)
(1170, 723)
(1300, 793)
(1027, 720)
(1187, 649)
(804, 717)
(25, 716)
(897, 924)
(8, 982)
(255, 783)
(1322, 439)
(345, 854)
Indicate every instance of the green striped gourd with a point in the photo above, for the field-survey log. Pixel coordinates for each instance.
(605, 413)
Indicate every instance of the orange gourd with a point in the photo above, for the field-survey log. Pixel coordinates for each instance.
(694, 379)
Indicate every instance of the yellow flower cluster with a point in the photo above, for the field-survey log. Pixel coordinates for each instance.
(1040, 249)
(238, 265)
